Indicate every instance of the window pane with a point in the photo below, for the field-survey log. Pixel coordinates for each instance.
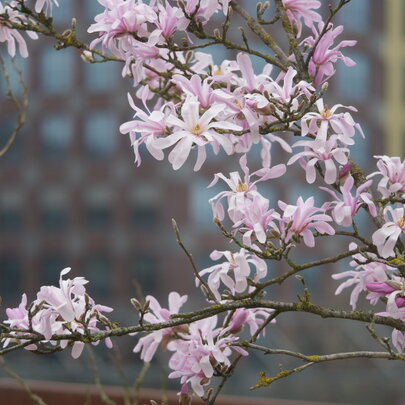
(11, 208)
(10, 280)
(356, 15)
(144, 272)
(51, 266)
(53, 211)
(200, 209)
(353, 82)
(64, 13)
(99, 273)
(101, 76)
(56, 135)
(98, 202)
(56, 71)
(100, 134)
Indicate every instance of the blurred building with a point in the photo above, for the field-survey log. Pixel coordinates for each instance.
(70, 195)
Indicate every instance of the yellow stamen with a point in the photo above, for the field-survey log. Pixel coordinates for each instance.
(197, 130)
(401, 222)
(326, 113)
(242, 187)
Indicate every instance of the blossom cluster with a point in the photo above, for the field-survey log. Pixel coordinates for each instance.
(377, 280)
(185, 103)
(199, 348)
(64, 310)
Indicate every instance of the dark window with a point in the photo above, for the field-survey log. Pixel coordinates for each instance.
(144, 272)
(144, 217)
(11, 211)
(10, 280)
(354, 82)
(57, 71)
(100, 134)
(56, 135)
(98, 217)
(10, 219)
(54, 218)
(51, 266)
(101, 77)
(99, 273)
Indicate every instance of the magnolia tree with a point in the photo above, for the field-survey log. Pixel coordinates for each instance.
(185, 104)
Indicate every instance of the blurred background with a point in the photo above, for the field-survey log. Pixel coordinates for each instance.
(70, 196)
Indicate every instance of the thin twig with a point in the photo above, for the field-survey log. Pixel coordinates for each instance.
(103, 395)
(207, 288)
(34, 397)
(21, 108)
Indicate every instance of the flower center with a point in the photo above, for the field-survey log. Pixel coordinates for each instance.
(232, 260)
(401, 222)
(218, 72)
(241, 187)
(326, 113)
(197, 130)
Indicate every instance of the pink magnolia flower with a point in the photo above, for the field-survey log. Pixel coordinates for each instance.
(320, 151)
(170, 19)
(199, 351)
(299, 220)
(394, 285)
(386, 237)
(148, 344)
(197, 88)
(150, 127)
(364, 275)
(234, 272)
(344, 210)
(256, 219)
(302, 9)
(118, 23)
(253, 317)
(392, 171)
(241, 190)
(397, 312)
(10, 35)
(342, 124)
(59, 310)
(40, 5)
(196, 130)
(203, 9)
(290, 91)
(323, 58)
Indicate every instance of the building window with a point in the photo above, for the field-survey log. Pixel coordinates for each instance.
(100, 134)
(51, 266)
(11, 209)
(199, 208)
(99, 212)
(56, 135)
(64, 13)
(354, 82)
(144, 217)
(356, 16)
(57, 71)
(53, 211)
(144, 272)
(10, 279)
(99, 272)
(100, 76)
